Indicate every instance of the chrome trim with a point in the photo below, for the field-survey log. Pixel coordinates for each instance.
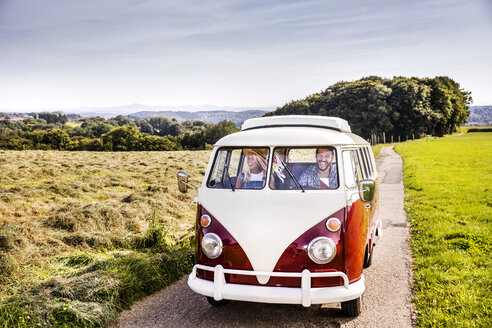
(219, 283)
(313, 258)
(273, 274)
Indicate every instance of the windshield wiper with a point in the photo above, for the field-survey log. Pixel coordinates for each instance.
(228, 177)
(290, 173)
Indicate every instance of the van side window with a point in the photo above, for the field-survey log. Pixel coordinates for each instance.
(218, 169)
(309, 168)
(239, 168)
(363, 162)
(349, 169)
(369, 159)
(352, 168)
(358, 170)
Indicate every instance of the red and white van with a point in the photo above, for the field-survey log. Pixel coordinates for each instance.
(287, 213)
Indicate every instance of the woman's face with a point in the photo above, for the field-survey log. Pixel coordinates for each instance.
(253, 165)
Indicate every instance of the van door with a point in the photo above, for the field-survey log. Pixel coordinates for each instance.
(356, 216)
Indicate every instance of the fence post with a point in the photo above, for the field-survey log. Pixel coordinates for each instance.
(391, 139)
(384, 137)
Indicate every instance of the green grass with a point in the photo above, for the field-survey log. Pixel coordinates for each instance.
(85, 234)
(377, 150)
(449, 204)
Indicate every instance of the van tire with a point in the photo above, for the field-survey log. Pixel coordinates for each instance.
(352, 308)
(368, 257)
(213, 302)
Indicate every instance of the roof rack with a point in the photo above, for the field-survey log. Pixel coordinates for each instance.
(326, 122)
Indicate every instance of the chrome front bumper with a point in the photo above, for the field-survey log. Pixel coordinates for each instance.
(305, 295)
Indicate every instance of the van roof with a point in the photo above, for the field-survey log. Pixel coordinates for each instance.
(327, 122)
(290, 136)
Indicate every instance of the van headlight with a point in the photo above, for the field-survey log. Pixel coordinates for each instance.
(322, 250)
(212, 245)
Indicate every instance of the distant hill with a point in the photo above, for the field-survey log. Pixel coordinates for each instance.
(108, 112)
(206, 116)
(480, 116)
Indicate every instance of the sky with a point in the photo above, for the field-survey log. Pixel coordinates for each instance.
(71, 53)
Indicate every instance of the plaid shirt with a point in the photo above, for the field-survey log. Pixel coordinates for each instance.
(309, 178)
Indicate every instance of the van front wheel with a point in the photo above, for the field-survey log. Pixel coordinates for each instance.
(352, 308)
(213, 302)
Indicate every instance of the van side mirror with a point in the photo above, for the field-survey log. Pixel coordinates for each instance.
(183, 182)
(367, 188)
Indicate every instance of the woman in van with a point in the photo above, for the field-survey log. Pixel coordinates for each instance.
(255, 175)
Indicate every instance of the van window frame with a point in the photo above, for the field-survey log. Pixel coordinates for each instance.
(288, 149)
(240, 164)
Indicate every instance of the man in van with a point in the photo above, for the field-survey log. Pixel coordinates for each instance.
(324, 174)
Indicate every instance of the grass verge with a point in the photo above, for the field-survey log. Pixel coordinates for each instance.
(449, 205)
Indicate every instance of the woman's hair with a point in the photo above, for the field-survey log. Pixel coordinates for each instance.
(260, 160)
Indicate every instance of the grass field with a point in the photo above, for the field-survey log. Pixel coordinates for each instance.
(449, 204)
(84, 234)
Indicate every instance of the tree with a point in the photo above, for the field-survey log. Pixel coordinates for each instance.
(57, 117)
(400, 106)
(449, 102)
(57, 139)
(193, 140)
(214, 132)
(122, 138)
(99, 129)
(145, 126)
(149, 142)
(362, 103)
(160, 125)
(123, 120)
(38, 136)
(410, 103)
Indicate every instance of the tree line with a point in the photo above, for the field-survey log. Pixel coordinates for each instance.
(373, 105)
(398, 107)
(54, 131)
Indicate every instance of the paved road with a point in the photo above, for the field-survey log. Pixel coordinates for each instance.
(386, 302)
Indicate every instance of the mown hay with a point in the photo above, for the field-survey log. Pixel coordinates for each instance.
(83, 234)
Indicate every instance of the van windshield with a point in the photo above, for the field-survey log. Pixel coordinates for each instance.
(309, 168)
(239, 168)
